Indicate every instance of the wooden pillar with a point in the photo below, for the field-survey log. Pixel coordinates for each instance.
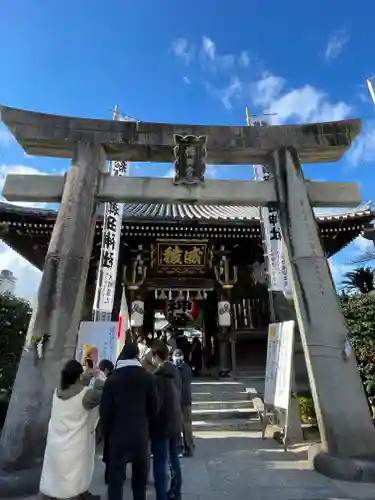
(57, 319)
(149, 316)
(345, 424)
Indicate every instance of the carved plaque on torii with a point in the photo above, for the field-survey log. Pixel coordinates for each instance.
(190, 154)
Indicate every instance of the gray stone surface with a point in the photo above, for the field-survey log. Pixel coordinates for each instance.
(49, 189)
(52, 135)
(58, 315)
(241, 466)
(344, 420)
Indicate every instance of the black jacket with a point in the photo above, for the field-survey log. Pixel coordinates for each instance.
(129, 403)
(183, 345)
(185, 374)
(167, 423)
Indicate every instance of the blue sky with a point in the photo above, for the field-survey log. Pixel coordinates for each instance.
(197, 63)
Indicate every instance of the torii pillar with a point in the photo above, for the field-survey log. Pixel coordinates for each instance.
(60, 300)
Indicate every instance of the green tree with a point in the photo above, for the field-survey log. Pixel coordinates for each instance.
(14, 319)
(359, 312)
(359, 280)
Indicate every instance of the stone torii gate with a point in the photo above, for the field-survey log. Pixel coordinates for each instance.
(348, 437)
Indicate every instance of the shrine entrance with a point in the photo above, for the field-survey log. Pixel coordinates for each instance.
(190, 282)
(345, 425)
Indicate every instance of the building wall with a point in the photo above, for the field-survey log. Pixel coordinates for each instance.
(7, 281)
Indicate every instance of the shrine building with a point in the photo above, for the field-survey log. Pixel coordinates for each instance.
(172, 252)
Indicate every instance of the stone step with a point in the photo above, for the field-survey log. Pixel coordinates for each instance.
(221, 414)
(228, 425)
(222, 405)
(217, 386)
(220, 396)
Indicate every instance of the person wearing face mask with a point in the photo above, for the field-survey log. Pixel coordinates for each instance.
(165, 428)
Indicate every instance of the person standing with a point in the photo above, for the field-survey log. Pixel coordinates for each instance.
(186, 402)
(167, 425)
(142, 346)
(69, 456)
(106, 368)
(196, 356)
(129, 403)
(183, 345)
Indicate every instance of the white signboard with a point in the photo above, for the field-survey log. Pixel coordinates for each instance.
(99, 338)
(107, 272)
(279, 364)
(277, 268)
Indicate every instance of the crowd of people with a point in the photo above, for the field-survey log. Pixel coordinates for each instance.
(141, 409)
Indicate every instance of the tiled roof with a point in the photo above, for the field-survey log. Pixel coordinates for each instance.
(172, 212)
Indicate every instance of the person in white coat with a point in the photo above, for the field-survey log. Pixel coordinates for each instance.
(70, 451)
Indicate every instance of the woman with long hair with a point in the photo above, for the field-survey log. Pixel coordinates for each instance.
(70, 451)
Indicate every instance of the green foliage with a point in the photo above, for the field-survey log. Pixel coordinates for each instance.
(14, 319)
(359, 280)
(359, 312)
(307, 410)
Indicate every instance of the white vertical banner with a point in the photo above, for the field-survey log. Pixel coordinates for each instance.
(107, 272)
(112, 223)
(277, 267)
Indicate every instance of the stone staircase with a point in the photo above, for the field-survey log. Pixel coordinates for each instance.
(223, 406)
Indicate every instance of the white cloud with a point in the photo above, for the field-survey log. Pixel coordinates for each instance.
(304, 104)
(207, 55)
(181, 49)
(5, 137)
(244, 59)
(335, 45)
(267, 89)
(233, 91)
(363, 149)
(28, 277)
(187, 80)
(212, 60)
(209, 48)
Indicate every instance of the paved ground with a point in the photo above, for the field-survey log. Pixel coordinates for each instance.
(240, 466)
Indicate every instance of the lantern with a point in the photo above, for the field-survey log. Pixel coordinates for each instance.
(137, 313)
(224, 313)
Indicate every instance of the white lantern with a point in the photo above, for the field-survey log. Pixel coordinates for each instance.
(224, 313)
(137, 313)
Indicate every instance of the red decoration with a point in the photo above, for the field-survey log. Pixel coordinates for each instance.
(195, 310)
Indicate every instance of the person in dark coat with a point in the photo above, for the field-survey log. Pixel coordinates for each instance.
(196, 356)
(129, 404)
(184, 369)
(183, 345)
(165, 429)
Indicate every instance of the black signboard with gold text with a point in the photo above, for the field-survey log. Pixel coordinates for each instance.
(180, 256)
